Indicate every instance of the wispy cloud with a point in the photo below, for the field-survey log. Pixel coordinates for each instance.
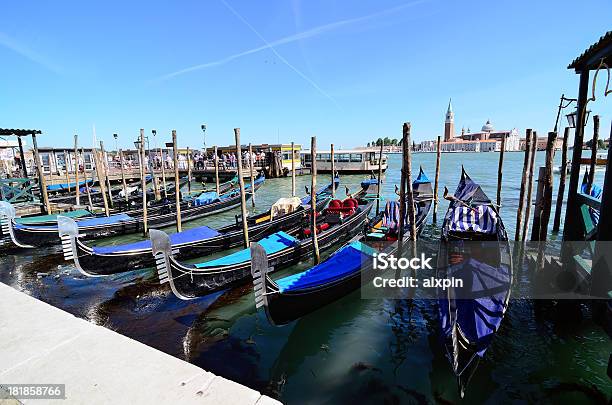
(279, 56)
(313, 32)
(21, 49)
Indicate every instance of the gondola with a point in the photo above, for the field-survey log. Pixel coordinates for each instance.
(474, 248)
(65, 187)
(196, 242)
(27, 236)
(289, 298)
(188, 281)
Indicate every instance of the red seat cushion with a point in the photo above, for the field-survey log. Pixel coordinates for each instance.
(323, 226)
(335, 204)
(350, 203)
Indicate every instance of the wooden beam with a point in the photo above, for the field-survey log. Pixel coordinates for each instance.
(177, 186)
(534, 149)
(380, 171)
(593, 153)
(333, 171)
(521, 206)
(437, 178)
(216, 161)
(101, 182)
(293, 169)
(143, 182)
(313, 201)
(106, 176)
(42, 183)
(76, 170)
(86, 181)
(245, 226)
(252, 169)
(500, 168)
(562, 176)
(571, 228)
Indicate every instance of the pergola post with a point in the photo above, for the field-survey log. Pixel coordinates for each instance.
(571, 228)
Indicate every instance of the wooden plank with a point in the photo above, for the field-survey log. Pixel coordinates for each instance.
(313, 200)
(437, 178)
(521, 206)
(562, 176)
(245, 227)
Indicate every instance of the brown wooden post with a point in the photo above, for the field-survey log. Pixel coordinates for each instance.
(143, 181)
(216, 160)
(163, 170)
(313, 200)
(85, 178)
(108, 184)
(409, 191)
(123, 176)
(402, 208)
(534, 150)
(101, 182)
(42, 183)
(538, 205)
(380, 172)
(563, 174)
(177, 186)
(333, 170)
(500, 167)
(188, 170)
(521, 206)
(245, 226)
(548, 187)
(66, 157)
(76, 169)
(252, 169)
(572, 230)
(151, 168)
(593, 153)
(437, 178)
(293, 169)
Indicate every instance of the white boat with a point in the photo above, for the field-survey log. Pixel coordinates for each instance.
(347, 161)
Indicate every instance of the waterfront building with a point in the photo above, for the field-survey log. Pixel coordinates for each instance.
(347, 161)
(487, 140)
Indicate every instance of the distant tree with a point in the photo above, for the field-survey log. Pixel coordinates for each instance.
(368, 144)
(393, 142)
(601, 144)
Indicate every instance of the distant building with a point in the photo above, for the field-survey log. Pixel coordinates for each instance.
(542, 141)
(487, 140)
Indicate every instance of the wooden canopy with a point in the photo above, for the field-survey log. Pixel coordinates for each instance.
(591, 58)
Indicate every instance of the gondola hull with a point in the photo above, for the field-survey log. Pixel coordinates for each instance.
(192, 282)
(90, 262)
(36, 236)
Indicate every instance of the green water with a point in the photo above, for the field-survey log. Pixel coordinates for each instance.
(354, 350)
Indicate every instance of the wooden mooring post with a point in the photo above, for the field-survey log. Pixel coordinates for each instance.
(87, 190)
(188, 170)
(534, 149)
(243, 207)
(163, 171)
(380, 172)
(177, 186)
(500, 168)
(333, 170)
(521, 205)
(562, 176)
(593, 153)
(216, 161)
(106, 176)
(42, 182)
(76, 170)
(251, 170)
(313, 200)
(143, 181)
(101, 181)
(437, 178)
(409, 193)
(121, 162)
(548, 184)
(66, 157)
(406, 194)
(292, 169)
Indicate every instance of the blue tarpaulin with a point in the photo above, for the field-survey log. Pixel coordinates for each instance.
(344, 262)
(190, 235)
(271, 244)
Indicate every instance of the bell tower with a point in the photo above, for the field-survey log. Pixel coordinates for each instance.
(449, 124)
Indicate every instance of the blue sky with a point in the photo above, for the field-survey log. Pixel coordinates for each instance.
(346, 71)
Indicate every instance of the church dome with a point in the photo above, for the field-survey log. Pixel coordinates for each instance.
(488, 127)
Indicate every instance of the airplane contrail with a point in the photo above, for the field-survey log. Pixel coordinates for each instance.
(27, 53)
(289, 39)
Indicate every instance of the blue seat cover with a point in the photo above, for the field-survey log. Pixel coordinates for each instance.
(205, 198)
(113, 219)
(344, 262)
(190, 235)
(271, 244)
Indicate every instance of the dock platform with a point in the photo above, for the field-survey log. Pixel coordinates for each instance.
(42, 344)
